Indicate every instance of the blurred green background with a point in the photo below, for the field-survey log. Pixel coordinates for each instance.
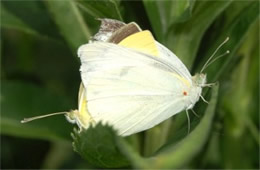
(40, 75)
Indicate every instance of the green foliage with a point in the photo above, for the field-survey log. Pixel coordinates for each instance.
(39, 75)
(98, 146)
(184, 38)
(100, 10)
(73, 23)
(31, 99)
(15, 14)
(163, 15)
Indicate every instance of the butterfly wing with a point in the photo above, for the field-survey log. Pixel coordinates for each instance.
(107, 28)
(82, 117)
(130, 90)
(170, 58)
(144, 41)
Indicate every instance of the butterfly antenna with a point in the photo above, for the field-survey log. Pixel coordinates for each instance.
(25, 120)
(208, 62)
(220, 56)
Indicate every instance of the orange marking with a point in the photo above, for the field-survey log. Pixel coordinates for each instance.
(185, 93)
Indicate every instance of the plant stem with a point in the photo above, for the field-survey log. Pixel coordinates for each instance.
(156, 137)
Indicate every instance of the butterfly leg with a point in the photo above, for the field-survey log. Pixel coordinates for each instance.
(204, 99)
(195, 113)
(209, 85)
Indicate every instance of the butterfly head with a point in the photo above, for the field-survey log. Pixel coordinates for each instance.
(199, 79)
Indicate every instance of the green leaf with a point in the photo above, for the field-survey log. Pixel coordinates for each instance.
(236, 29)
(11, 21)
(180, 11)
(28, 16)
(158, 23)
(162, 14)
(20, 100)
(98, 146)
(184, 38)
(70, 22)
(99, 9)
(239, 119)
(177, 155)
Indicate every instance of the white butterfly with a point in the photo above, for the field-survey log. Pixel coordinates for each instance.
(134, 91)
(131, 81)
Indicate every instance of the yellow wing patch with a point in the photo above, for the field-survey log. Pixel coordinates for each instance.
(83, 115)
(141, 41)
(186, 82)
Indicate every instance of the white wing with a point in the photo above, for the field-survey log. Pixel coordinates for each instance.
(167, 60)
(127, 89)
(175, 62)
